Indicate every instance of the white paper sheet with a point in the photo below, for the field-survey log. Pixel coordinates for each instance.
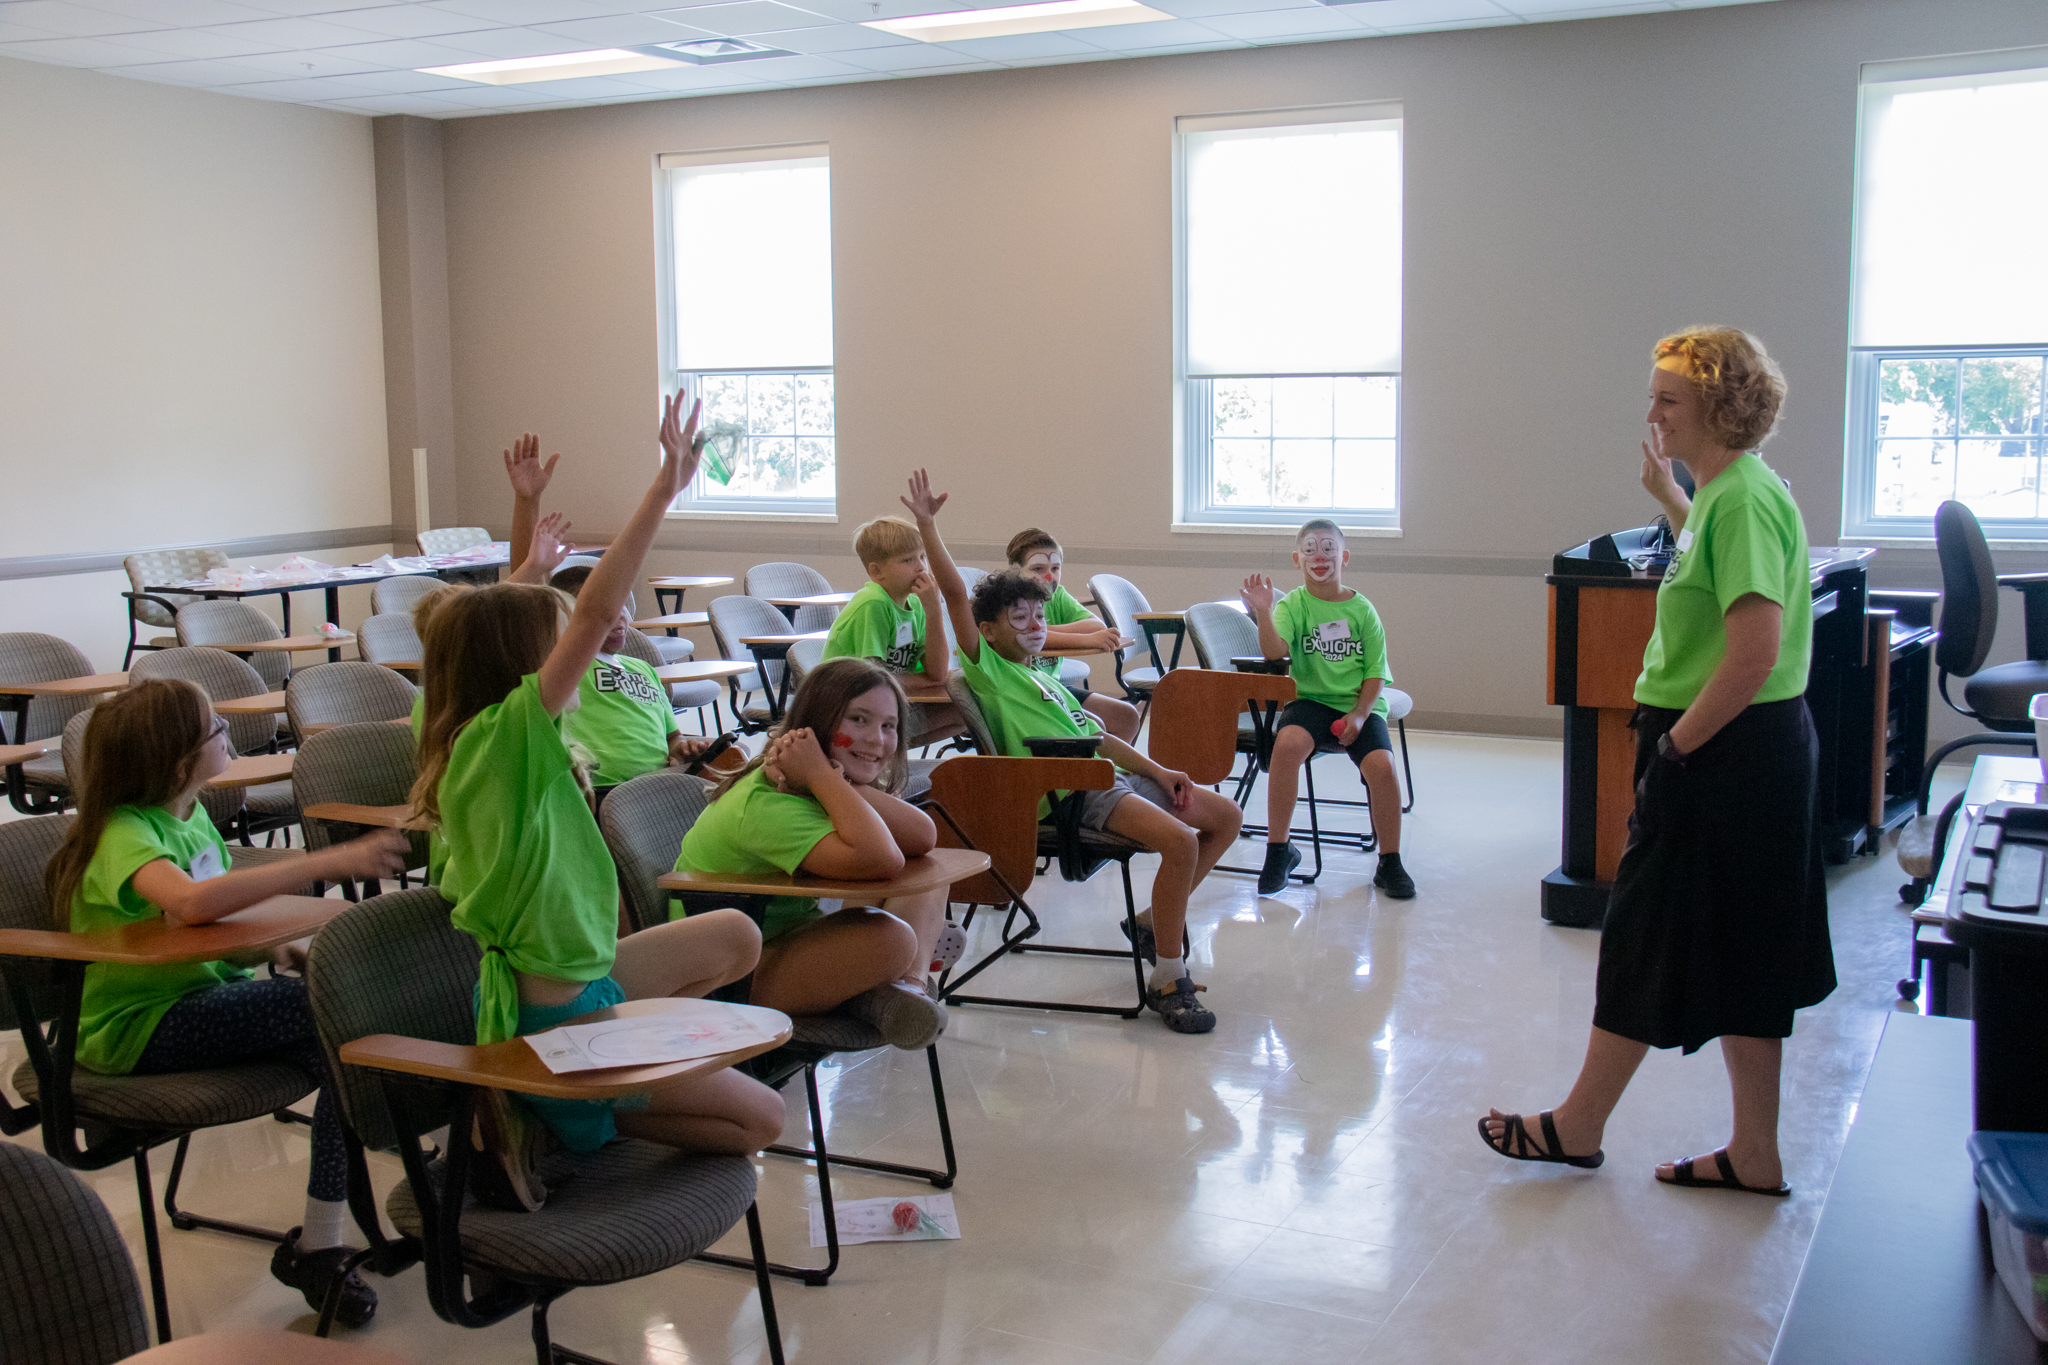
(649, 1040)
(875, 1220)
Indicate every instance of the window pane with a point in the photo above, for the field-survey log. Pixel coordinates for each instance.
(786, 447)
(814, 410)
(2002, 395)
(1365, 474)
(753, 265)
(1914, 477)
(1994, 483)
(1301, 473)
(1243, 407)
(1302, 407)
(1241, 473)
(1916, 398)
(1368, 406)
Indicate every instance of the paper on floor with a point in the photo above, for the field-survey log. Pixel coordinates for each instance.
(918, 1218)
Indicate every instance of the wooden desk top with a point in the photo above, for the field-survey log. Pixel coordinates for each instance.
(822, 599)
(160, 943)
(690, 581)
(702, 670)
(1071, 651)
(784, 640)
(1159, 616)
(674, 619)
(378, 817)
(67, 687)
(263, 1348)
(396, 664)
(922, 691)
(254, 771)
(321, 727)
(514, 1065)
(290, 644)
(267, 704)
(940, 867)
(11, 754)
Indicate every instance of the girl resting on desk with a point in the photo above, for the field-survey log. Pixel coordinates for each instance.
(142, 847)
(529, 872)
(796, 809)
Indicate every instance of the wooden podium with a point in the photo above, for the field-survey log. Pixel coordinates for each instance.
(1599, 627)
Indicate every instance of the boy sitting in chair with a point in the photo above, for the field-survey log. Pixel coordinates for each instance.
(1338, 659)
(622, 717)
(1067, 622)
(1000, 631)
(886, 620)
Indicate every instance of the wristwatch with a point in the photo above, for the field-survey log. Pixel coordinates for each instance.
(1670, 751)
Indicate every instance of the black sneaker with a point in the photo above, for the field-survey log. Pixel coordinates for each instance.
(1176, 1004)
(1281, 859)
(1393, 878)
(312, 1272)
(1148, 945)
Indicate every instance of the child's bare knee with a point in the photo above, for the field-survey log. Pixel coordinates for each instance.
(1293, 745)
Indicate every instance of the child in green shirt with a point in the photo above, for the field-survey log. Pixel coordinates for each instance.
(1068, 623)
(623, 718)
(1338, 659)
(1001, 629)
(528, 871)
(141, 849)
(887, 617)
(794, 808)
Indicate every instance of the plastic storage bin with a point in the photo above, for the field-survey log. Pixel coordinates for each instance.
(2012, 1180)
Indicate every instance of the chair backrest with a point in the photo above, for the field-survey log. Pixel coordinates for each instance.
(969, 707)
(1969, 591)
(644, 822)
(393, 964)
(222, 677)
(28, 656)
(346, 693)
(638, 646)
(221, 804)
(1220, 633)
(367, 764)
(68, 1295)
(1194, 718)
(785, 578)
(1121, 601)
(389, 637)
(735, 617)
(971, 576)
(397, 596)
(26, 847)
(235, 623)
(151, 568)
(993, 803)
(448, 540)
(804, 656)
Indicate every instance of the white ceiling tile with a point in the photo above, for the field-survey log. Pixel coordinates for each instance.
(507, 42)
(409, 21)
(1531, 9)
(845, 11)
(206, 74)
(406, 53)
(1020, 47)
(1203, 9)
(183, 13)
(748, 16)
(685, 79)
(193, 43)
(63, 19)
(292, 35)
(405, 82)
(395, 104)
(1391, 13)
(915, 58)
(1460, 24)
(1097, 56)
(1320, 21)
(531, 11)
(621, 30)
(300, 66)
(838, 38)
(1604, 12)
(1165, 33)
(1223, 45)
(299, 9)
(20, 33)
(477, 96)
(93, 52)
(789, 70)
(315, 91)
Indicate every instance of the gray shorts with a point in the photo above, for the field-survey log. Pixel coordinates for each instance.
(1096, 806)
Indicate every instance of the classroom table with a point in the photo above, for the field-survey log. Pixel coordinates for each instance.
(372, 817)
(497, 555)
(769, 648)
(1157, 623)
(262, 704)
(253, 770)
(790, 605)
(940, 867)
(263, 1348)
(292, 644)
(675, 585)
(158, 942)
(400, 665)
(20, 694)
(674, 620)
(702, 670)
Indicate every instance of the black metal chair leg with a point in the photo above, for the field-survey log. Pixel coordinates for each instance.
(185, 1222)
(1407, 773)
(159, 1294)
(766, 1284)
(814, 1276)
(18, 1118)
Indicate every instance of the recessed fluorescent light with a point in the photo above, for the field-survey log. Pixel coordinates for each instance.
(712, 51)
(961, 25)
(562, 66)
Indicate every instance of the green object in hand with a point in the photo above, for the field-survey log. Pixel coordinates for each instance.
(718, 444)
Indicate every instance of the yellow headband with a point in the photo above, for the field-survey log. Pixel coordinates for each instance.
(1681, 361)
(1677, 362)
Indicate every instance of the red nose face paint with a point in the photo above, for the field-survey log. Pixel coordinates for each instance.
(842, 741)
(905, 1215)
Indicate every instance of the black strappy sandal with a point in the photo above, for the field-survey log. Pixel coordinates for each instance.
(1514, 1143)
(1682, 1176)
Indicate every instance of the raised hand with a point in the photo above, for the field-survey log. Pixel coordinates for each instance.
(528, 475)
(550, 543)
(922, 502)
(679, 449)
(1658, 480)
(1257, 593)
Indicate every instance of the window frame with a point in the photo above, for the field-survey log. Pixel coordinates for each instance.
(689, 504)
(1192, 457)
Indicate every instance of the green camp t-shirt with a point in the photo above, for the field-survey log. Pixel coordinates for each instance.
(754, 828)
(1333, 648)
(1744, 535)
(1062, 610)
(528, 871)
(437, 847)
(123, 1003)
(623, 719)
(873, 627)
(1022, 703)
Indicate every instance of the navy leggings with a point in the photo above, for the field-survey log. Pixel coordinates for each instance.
(266, 1019)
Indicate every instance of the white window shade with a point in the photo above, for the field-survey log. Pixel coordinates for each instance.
(1293, 249)
(1951, 201)
(753, 265)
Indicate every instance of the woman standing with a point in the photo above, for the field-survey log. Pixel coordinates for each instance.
(1718, 923)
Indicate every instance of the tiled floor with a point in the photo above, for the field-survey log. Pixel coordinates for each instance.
(1303, 1186)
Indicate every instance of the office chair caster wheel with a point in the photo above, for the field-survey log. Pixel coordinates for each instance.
(1909, 989)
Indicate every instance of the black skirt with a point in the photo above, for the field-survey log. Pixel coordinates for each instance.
(1719, 919)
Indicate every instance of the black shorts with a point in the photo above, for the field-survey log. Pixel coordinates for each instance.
(1317, 719)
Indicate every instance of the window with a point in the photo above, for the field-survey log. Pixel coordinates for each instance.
(746, 321)
(1289, 308)
(1949, 329)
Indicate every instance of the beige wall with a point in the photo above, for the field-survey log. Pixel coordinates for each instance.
(189, 337)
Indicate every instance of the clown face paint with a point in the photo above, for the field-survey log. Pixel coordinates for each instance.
(1321, 555)
(1045, 566)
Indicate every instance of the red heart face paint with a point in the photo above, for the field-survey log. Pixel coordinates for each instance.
(842, 741)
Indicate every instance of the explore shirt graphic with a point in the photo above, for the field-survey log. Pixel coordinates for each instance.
(1333, 647)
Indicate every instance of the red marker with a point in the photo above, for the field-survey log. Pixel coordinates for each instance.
(842, 741)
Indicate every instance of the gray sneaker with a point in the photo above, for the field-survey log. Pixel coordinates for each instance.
(905, 1015)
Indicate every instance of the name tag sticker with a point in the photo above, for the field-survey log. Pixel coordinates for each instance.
(1685, 540)
(903, 633)
(1330, 631)
(206, 865)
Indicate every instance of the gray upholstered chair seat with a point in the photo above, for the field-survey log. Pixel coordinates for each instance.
(2000, 694)
(1074, 673)
(1094, 843)
(181, 1099)
(1141, 679)
(686, 696)
(919, 784)
(46, 772)
(68, 1292)
(674, 649)
(632, 1208)
(272, 799)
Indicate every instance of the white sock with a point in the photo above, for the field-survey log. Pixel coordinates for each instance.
(1169, 970)
(325, 1219)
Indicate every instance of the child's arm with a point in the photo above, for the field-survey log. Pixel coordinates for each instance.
(1360, 709)
(1179, 784)
(1258, 596)
(936, 650)
(604, 592)
(546, 552)
(184, 901)
(925, 505)
(860, 844)
(1090, 633)
(910, 827)
(529, 479)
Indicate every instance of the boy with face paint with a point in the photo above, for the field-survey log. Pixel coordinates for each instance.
(622, 716)
(1338, 653)
(1001, 629)
(1069, 624)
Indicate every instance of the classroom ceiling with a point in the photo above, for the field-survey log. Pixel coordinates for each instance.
(362, 55)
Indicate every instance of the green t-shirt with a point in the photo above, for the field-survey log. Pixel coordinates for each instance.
(754, 828)
(623, 719)
(1062, 610)
(528, 871)
(1022, 703)
(1744, 535)
(123, 1003)
(873, 627)
(1333, 648)
(437, 847)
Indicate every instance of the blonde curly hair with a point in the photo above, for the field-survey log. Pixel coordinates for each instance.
(1740, 386)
